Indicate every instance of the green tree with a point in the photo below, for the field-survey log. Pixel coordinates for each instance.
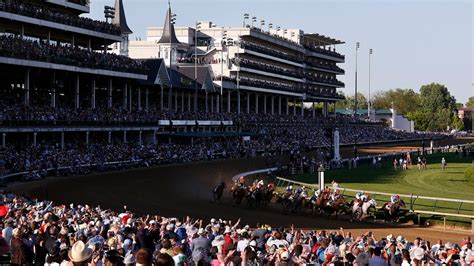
(348, 102)
(437, 109)
(434, 97)
(470, 102)
(404, 100)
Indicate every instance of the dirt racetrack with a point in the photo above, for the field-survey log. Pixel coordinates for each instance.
(180, 190)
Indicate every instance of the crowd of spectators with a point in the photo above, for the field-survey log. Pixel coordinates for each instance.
(17, 47)
(267, 140)
(48, 233)
(43, 12)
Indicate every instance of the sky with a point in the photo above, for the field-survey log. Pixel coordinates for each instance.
(414, 42)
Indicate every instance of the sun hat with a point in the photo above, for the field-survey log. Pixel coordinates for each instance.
(284, 255)
(201, 231)
(79, 252)
(218, 241)
(418, 253)
(227, 230)
(253, 243)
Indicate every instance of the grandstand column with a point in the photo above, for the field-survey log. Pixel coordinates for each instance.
(27, 87)
(218, 103)
(87, 137)
(302, 108)
(314, 109)
(248, 102)
(93, 94)
(273, 105)
(62, 140)
(109, 104)
(139, 99)
(334, 110)
(238, 102)
(4, 136)
(130, 98)
(294, 107)
(189, 102)
(154, 137)
(146, 99)
(325, 109)
(182, 101)
(125, 96)
(176, 101)
(161, 98)
(256, 103)
(212, 103)
(265, 104)
(35, 135)
(125, 137)
(140, 137)
(77, 91)
(207, 104)
(228, 101)
(279, 105)
(109, 137)
(287, 106)
(53, 91)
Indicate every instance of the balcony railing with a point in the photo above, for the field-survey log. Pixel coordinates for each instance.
(16, 47)
(50, 14)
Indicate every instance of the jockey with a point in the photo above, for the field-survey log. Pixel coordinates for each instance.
(300, 190)
(260, 184)
(394, 199)
(241, 181)
(270, 187)
(289, 189)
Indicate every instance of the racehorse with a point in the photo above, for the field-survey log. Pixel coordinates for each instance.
(254, 197)
(238, 194)
(337, 206)
(218, 190)
(364, 210)
(392, 210)
(322, 200)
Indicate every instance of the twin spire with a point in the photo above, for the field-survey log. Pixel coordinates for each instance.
(169, 35)
(119, 18)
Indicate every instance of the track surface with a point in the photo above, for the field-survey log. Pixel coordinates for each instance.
(180, 190)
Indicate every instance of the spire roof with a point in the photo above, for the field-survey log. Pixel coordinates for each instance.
(119, 18)
(169, 35)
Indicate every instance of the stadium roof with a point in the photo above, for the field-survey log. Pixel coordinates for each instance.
(318, 39)
(203, 76)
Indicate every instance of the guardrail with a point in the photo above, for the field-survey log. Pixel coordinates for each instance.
(413, 207)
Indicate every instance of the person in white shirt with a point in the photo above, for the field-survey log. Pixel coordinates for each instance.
(243, 242)
(7, 232)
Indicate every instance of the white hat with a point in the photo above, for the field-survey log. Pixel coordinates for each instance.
(227, 230)
(16, 232)
(400, 239)
(218, 241)
(129, 258)
(253, 243)
(390, 237)
(201, 231)
(213, 221)
(418, 253)
(79, 252)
